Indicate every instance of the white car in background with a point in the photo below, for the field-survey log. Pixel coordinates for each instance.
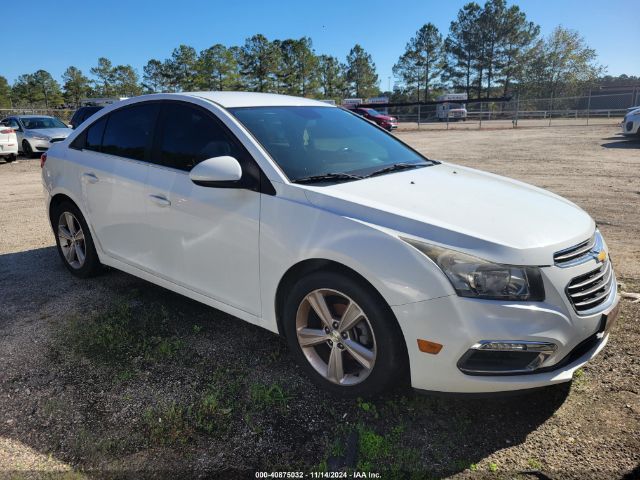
(36, 133)
(8, 144)
(631, 123)
(375, 262)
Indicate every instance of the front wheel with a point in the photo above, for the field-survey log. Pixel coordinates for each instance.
(74, 241)
(344, 335)
(26, 149)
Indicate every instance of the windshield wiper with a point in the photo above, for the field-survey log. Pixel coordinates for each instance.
(327, 177)
(395, 167)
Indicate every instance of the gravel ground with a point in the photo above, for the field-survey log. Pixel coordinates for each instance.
(114, 376)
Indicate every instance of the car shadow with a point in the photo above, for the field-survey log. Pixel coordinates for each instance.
(92, 412)
(621, 142)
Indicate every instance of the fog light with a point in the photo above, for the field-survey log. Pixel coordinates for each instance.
(505, 357)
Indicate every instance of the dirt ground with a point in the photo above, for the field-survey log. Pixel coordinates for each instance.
(113, 377)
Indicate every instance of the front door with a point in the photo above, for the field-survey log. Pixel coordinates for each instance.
(205, 238)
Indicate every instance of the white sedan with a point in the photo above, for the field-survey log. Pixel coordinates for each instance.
(36, 133)
(376, 263)
(8, 143)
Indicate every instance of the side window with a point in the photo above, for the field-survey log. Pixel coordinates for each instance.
(129, 131)
(189, 135)
(94, 135)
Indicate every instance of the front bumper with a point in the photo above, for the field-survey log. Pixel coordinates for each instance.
(459, 323)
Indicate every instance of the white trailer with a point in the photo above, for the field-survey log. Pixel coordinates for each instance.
(100, 102)
(452, 108)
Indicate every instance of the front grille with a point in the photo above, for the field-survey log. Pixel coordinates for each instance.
(53, 140)
(591, 289)
(574, 254)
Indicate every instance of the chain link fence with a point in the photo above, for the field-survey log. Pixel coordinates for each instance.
(520, 112)
(595, 109)
(63, 114)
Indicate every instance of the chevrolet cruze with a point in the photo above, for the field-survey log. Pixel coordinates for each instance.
(375, 262)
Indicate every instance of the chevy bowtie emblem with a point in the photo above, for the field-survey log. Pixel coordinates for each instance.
(601, 256)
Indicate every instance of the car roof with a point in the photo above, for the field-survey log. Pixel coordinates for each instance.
(255, 99)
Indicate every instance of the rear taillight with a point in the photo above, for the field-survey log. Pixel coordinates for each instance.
(6, 131)
(43, 159)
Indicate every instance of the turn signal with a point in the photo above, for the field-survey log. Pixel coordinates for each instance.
(429, 347)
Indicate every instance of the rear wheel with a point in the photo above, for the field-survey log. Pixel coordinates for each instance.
(9, 158)
(26, 149)
(344, 335)
(74, 241)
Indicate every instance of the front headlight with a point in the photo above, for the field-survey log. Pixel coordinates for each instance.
(39, 137)
(477, 278)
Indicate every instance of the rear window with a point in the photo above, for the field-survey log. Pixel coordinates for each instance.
(129, 131)
(94, 135)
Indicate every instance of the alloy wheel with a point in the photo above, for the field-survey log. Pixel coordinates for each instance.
(336, 337)
(72, 242)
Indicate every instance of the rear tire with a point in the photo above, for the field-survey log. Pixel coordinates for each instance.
(356, 348)
(9, 158)
(74, 241)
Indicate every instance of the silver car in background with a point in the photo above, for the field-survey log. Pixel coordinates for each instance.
(36, 133)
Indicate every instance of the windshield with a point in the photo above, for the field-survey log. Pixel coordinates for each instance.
(309, 141)
(38, 123)
(372, 112)
(453, 106)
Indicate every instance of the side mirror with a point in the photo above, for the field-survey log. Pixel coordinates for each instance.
(222, 171)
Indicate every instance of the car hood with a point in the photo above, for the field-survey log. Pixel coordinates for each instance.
(486, 215)
(51, 132)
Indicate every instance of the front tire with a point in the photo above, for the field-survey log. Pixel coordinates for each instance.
(344, 335)
(74, 241)
(26, 149)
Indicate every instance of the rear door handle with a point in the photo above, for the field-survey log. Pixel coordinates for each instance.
(160, 200)
(91, 177)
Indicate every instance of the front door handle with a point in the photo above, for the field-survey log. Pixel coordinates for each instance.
(91, 177)
(160, 200)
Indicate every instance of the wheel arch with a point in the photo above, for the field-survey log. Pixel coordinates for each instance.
(305, 267)
(58, 199)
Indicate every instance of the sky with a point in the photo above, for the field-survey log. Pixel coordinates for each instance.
(67, 32)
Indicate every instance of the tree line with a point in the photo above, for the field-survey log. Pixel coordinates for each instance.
(489, 50)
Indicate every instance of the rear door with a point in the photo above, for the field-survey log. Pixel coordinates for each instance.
(204, 238)
(113, 173)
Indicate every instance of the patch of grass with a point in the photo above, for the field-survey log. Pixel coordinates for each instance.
(123, 376)
(167, 425)
(211, 413)
(52, 406)
(268, 396)
(368, 407)
(196, 328)
(579, 379)
(122, 333)
(386, 453)
(493, 467)
(534, 463)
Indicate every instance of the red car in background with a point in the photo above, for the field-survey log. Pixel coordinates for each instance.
(385, 121)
